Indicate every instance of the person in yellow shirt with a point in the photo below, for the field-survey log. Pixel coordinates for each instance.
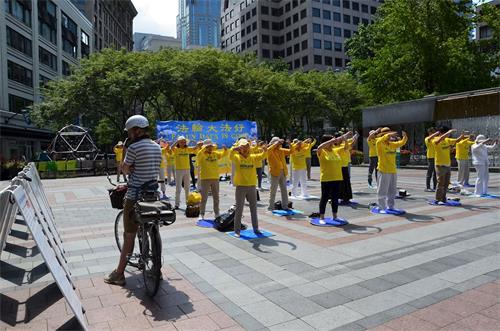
(245, 180)
(163, 167)
(207, 161)
(170, 168)
(387, 179)
(278, 171)
(345, 155)
(330, 165)
(118, 150)
(181, 152)
(462, 156)
(299, 153)
(309, 148)
(431, 168)
(442, 147)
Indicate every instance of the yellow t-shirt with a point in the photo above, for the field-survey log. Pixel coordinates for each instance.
(386, 151)
(431, 152)
(276, 160)
(245, 174)
(443, 151)
(309, 148)
(463, 148)
(182, 157)
(170, 159)
(330, 165)
(298, 158)
(345, 154)
(256, 150)
(372, 147)
(209, 164)
(224, 164)
(118, 154)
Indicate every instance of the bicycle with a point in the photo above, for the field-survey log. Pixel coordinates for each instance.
(151, 214)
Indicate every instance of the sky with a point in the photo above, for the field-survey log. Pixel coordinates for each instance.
(159, 16)
(156, 16)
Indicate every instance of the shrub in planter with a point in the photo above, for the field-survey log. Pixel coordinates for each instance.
(356, 157)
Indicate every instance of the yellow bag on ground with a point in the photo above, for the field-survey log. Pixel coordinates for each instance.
(194, 198)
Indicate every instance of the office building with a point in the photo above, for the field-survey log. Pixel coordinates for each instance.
(112, 21)
(484, 31)
(198, 23)
(306, 34)
(154, 42)
(39, 41)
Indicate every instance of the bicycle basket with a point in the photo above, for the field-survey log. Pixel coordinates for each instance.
(116, 195)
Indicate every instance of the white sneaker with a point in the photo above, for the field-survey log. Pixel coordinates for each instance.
(322, 222)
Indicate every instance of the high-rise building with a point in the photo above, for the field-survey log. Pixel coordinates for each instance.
(39, 41)
(306, 34)
(198, 23)
(483, 30)
(112, 21)
(153, 42)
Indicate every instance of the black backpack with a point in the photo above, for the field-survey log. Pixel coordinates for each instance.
(225, 221)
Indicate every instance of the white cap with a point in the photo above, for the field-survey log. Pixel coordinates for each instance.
(274, 140)
(181, 138)
(480, 138)
(243, 142)
(136, 121)
(207, 142)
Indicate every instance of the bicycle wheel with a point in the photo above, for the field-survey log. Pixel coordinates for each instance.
(151, 258)
(119, 231)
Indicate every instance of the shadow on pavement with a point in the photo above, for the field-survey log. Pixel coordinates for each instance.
(361, 229)
(269, 242)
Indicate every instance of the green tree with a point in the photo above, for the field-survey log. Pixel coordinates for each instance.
(416, 48)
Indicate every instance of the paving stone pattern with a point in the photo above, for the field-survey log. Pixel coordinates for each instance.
(433, 268)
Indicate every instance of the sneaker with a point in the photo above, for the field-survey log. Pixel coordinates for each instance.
(257, 232)
(322, 222)
(370, 186)
(115, 279)
(237, 235)
(441, 203)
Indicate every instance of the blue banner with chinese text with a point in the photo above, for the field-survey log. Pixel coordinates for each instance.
(221, 132)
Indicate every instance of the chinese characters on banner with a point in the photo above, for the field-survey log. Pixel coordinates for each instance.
(221, 132)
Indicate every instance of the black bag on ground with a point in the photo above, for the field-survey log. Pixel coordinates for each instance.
(193, 211)
(225, 221)
(279, 206)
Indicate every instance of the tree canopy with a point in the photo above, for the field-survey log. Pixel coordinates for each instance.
(205, 84)
(420, 47)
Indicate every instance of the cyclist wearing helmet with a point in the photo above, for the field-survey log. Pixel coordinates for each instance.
(142, 165)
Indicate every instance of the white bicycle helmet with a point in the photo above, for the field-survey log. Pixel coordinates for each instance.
(138, 121)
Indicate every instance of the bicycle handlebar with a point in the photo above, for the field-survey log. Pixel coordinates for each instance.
(109, 179)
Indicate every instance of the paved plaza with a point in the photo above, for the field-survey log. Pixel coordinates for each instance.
(435, 267)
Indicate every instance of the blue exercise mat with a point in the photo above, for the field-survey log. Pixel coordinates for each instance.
(469, 185)
(289, 212)
(388, 211)
(449, 203)
(206, 223)
(329, 222)
(248, 234)
(350, 203)
(490, 196)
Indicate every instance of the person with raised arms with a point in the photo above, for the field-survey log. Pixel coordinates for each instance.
(278, 171)
(480, 161)
(430, 154)
(245, 180)
(299, 152)
(462, 156)
(345, 155)
(309, 148)
(442, 146)
(181, 152)
(330, 165)
(207, 160)
(372, 155)
(387, 180)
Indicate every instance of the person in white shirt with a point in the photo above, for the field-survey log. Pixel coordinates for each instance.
(480, 162)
